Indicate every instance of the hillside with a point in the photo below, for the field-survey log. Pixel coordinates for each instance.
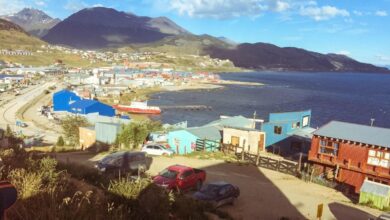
(99, 27)
(34, 21)
(13, 37)
(262, 56)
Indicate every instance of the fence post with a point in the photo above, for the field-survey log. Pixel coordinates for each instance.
(300, 162)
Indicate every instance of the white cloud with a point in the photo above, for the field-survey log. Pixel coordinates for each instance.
(97, 5)
(323, 13)
(75, 5)
(227, 8)
(383, 58)
(41, 3)
(344, 52)
(381, 13)
(9, 8)
(358, 13)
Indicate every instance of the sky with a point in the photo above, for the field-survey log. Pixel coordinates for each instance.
(357, 28)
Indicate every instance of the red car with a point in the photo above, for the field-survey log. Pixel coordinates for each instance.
(178, 177)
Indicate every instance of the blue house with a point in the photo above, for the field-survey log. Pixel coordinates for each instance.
(209, 136)
(187, 140)
(87, 106)
(288, 133)
(63, 99)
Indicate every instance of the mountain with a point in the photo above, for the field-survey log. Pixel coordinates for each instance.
(34, 21)
(14, 37)
(166, 26)
(227, 40)
(99, 27)
(263, 56)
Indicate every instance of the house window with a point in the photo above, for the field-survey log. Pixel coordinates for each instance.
(378, 158)
(305, 121)
(278, 129)
(329, 147)
(296, 124)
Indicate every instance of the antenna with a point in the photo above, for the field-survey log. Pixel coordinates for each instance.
(372, 121)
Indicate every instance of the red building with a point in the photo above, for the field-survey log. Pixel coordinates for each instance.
(352, 153)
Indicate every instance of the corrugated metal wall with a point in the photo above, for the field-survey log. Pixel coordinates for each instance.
(107, 132)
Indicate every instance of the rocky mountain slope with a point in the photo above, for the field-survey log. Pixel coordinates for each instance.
(34, 21)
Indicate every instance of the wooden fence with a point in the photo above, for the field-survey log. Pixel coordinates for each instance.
(281, 165)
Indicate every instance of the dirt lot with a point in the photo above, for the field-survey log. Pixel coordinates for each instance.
(265, 194)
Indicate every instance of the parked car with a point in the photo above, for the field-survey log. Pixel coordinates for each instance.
(178, 177)
(124, 162)
(383, 216)
(157, 149)
(218, 193)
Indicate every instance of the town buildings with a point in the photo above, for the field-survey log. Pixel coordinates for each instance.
(352, 153)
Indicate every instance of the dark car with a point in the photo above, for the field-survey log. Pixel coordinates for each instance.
(218, 193)
(124, 162)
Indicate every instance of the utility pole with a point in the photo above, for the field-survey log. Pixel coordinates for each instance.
(254, 120)
(372, 121)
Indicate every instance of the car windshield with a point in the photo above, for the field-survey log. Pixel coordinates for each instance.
(210, 189)
(170, 174)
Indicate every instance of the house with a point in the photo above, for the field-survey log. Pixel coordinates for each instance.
(87, 106)
(63, 99)
(352, 152)
(87, 137)
(375, 194)
(207, 137)
(252, 140)
(107, 132)
(187, 140)
(288, 133)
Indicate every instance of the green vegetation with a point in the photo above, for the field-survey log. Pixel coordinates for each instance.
(133, 134)
(60, 141)
(48, 190)
(70, 126)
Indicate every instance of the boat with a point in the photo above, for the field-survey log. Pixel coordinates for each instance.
(138, 108)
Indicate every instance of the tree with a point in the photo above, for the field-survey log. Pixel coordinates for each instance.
(8, 132)
(60, 141)
(133, 134)
(70, 126)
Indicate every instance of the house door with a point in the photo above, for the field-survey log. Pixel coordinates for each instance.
(235, 141)
(261, 142)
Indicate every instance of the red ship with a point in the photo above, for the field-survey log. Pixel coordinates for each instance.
(138, 108)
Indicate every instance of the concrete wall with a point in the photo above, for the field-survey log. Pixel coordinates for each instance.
(249, 139)
(87, 137)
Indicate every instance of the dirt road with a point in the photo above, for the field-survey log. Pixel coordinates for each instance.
(265, 194)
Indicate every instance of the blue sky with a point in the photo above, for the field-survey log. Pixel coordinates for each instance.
(357, 28)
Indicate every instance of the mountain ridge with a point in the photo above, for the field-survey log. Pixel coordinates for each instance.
(101, 27)
(33, 21)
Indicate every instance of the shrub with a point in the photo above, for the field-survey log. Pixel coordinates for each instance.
(27, 183)
(70, 126)
(60, 141)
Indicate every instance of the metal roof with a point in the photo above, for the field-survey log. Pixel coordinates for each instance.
(356, 132)
(303, 132)
(375, 188)
(85, 103)
(236, 121)
(206, 132)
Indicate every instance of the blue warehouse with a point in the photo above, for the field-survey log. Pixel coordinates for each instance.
(87, 106)
(63, 99)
